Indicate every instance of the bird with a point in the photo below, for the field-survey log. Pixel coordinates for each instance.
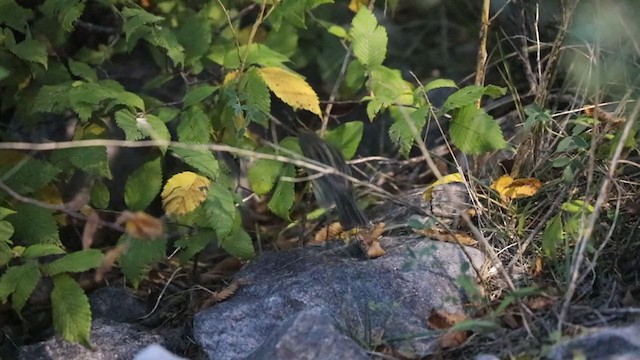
(331, 189)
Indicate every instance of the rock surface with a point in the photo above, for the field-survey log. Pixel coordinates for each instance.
(609, 343)
(117, 304)
(110, 340)
(373, 301)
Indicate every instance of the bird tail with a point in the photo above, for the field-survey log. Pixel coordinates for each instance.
(349, 213)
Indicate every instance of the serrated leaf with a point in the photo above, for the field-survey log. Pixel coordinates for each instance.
(293, 12)
(38, 250)
(34, 225)
(136, 18)
(388, 87)
(70, 310)
(78, 261)
(135, 263)
(184, 192)
(470, 95)
(239, 244)
(283, 196)
(166, 39)
(553, 236)
(439, 83)
(30, 50)
(93, 160)
(194, 35)
(126, 120)
(255, 93)
(474, 132)
(155, 129)
(258, 54)
(263, 175)
(195, 126)
(67, 11)
(198, 93)
(291, 88)
(82, 70)
(200, 159)
(195, 243)
(19, 281)
(4, 212)
(369, 41)
(26, 175)
(346, 137)
(221, 210)
(143, 185)
(400, 132)
(100, 196)
(29, 277)
(14, 15)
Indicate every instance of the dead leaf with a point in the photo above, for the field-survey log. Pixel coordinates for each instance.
(441, 320)
(223, 294)
(355, 5)
(456, 237)
(536, 268)
(90, 228)
(451, 178)
(328, 232)
(109, 259)
(509, 188)
(141, 225)
(369, 241)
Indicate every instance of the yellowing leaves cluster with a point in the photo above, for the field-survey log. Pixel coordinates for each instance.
(183, 193)
(291, 88)
(510, 188)
(141, 225)
(355, 5)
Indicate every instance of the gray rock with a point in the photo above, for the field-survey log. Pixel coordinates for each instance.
(621, 343)
(156, 352)
(382, 300)
(117, 304)
(309, 335)
(110, 340)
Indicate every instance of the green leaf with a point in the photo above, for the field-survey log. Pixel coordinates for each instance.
(166, 39)
(126, 120)
(198, 93)
(293, 12)
(78, 261)
(439, 83)
(194, 35)
(195, 243)
(239, 244)
(553, 236)
(143, 185)
(195, 126)
(82, 70)
(6, 231)
(400, 132)
(34, 225)
(388, 87)
(38, 250)
(283, 196)
(136, 19)
(474, 132)
(67, 11)
(92, 159)
(263, 174)
(4, 212)
(200, 159)
(100, 196)
(29, 277)
(221, 209)
(14, 15)
(346, 137)
(258, 54)
(70, 310)
(156, 129)
(29, 175)
(255, 93)
(469, 95)
(369, 41)
(30, 50)
(136, 262)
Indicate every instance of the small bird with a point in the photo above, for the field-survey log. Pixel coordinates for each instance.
(332, 189)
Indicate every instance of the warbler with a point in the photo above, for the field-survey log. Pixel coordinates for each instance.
(332, 189)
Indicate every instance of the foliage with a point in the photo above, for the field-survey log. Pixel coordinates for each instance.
(47, 75)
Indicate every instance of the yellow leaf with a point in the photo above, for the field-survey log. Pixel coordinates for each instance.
(183, 193)
(291, 88)
(355, 5)
(230, 76)
(451, 178)
(509, 188)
